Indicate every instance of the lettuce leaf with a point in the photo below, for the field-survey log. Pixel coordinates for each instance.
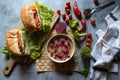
(45, 15)
(34, 41)
(35, 44)
(5, 50)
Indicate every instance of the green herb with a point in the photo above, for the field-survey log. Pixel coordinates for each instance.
(45, 14)
(77, 35)
(85, 52)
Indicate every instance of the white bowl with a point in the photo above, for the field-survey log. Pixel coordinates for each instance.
(71, 52)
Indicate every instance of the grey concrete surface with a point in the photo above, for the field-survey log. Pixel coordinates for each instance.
(10, 17)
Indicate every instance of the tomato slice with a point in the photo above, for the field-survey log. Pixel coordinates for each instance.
(19, 42)
(37, 20)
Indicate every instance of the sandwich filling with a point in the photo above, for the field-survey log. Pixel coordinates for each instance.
(34, 15)
(20, 41)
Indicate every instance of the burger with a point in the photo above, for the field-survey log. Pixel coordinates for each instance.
(30, 18)
(16, 42)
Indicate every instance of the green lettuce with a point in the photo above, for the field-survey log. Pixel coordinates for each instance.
(5, 50)
(34, 40)
(45, 15)
(34, 43)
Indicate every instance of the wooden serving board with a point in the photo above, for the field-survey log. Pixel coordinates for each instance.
(8, 67)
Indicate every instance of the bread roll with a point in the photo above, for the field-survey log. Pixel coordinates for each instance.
(30, 18)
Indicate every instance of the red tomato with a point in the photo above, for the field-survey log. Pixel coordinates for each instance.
(67, 20)
(70, 16)
(83, 22)
(68, 3)
(96, 2)
(64, 15)
(88, 40)
(93, 21)
(66, 7)
(58, 11)
(88, 45)
(89, 35)
(68, 11)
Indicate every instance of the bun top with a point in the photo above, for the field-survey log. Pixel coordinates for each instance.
(27, 16)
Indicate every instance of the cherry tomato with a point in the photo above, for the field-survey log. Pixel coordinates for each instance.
(89, 35)
(64, 15)
(96, 2)
(88, 45)
(88, 40)
(68, 11)
(66, 7)
(93, 21)
(70, 16)
(67, 20)
(68, 3)
(83, 22)
(58, 11)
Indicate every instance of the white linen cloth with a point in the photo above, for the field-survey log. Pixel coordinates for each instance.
(106, 47)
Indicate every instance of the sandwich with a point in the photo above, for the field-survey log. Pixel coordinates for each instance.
(37, 17)
(16, 42)
(30, 18)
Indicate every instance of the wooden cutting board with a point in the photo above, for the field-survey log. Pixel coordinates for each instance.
(9, 66)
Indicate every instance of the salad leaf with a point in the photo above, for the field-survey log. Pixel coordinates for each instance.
(45, 15)
(5, 50)
(34, 43)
